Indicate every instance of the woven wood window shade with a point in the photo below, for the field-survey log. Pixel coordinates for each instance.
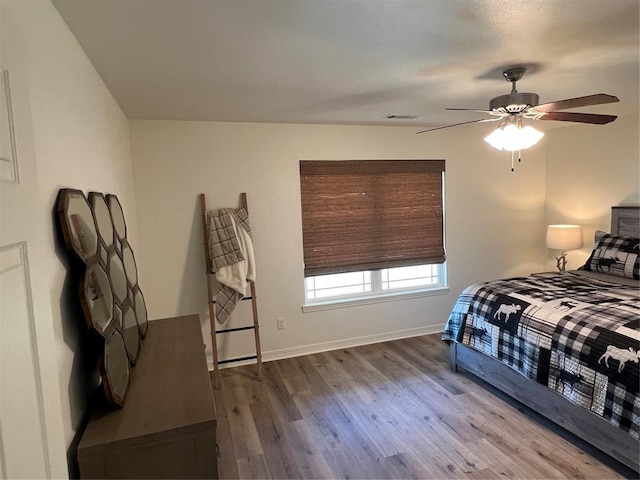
(371, 214)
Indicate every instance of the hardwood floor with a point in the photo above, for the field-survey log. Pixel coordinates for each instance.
(388, 410)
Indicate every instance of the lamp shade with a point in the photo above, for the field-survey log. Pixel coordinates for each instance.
(564, 237)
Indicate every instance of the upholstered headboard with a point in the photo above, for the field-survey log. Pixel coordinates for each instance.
(625, 221)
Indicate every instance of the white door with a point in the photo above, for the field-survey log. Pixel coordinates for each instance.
(22, 433)
(23, 439)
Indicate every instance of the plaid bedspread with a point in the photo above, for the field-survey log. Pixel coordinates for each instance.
(578, 336)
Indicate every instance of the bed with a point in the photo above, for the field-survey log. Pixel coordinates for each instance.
(566, 345)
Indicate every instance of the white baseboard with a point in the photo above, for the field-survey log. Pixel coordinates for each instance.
(334, 345)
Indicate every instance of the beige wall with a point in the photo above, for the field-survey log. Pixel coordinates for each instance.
(494, 220)
(71, 133)
(590, 169)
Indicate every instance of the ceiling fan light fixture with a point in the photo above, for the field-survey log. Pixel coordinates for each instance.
(495, 138)
(529, 137)
(513, 137)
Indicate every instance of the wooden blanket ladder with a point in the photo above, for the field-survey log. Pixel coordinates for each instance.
(212, 310)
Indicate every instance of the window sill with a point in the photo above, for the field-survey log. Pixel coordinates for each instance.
(388, 297)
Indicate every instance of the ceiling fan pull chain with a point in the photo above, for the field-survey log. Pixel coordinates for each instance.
(512, 154)
(520, 125)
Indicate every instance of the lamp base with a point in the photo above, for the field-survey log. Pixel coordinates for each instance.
(561, 262)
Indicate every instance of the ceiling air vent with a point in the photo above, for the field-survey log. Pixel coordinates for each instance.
(402, 117)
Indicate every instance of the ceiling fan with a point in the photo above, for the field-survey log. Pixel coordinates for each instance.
(511, 109)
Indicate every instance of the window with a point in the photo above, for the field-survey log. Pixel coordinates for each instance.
(372, 227)
(373, 283)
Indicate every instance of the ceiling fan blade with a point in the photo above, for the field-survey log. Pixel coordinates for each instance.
(469, 110)
(579, 117)
(458, 124)
(597, 99)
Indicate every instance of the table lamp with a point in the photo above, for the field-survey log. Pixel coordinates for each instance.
(563, 238)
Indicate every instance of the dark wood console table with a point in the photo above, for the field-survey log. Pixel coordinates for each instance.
(167, 428)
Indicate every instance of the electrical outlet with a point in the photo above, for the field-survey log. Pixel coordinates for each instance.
(280, 321)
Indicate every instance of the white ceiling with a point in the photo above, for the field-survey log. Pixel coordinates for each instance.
(354, 61)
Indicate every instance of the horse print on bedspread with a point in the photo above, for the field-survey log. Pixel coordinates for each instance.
(575, 335)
